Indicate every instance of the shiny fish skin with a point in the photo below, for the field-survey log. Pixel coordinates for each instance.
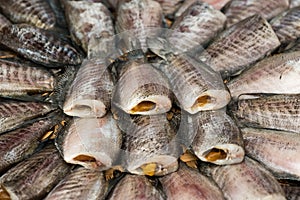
(136, 93)
(91, 142)
(81, 183)
(247, 180)
(91, 91)
(34, 177)
(135, 187)
(18, 79)
(4, 21)
(196, 26)
(276, 74)
(196, 86)
(188, 184)
(14, 113)
(87, 20)
(280, 112)
(39, 45)
(150, 140)
(215, 137)
(34, 12)
(241, 9)
(240, 46)
(278, 151)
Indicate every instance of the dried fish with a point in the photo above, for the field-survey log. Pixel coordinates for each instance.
(34, 12)
(38, 45)
(136, 93)
(292, 192)
(278, 151)
(81, 183)
(280, 112)
(196, 86)
(87, 20)
(59, 14)
(34, 177)
(4, 22)
(170, 6)
(246, 180)
(91, 142)
(294, 3)
(276, 74)
(196, 26)
(240, 46)
(149, 145)
(241, 9)
(187, 183)
(19, 79)
(15, 113)
(91, 91)
(135, 187)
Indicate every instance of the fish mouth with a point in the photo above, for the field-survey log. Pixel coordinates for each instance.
(4, 194)
(143, 106)
(85, 108)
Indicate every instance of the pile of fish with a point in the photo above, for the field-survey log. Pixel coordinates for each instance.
(149, 99)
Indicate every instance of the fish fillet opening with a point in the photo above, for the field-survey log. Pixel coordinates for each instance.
(215, 154)
(149, 169)
(4, 194)
(202, 101)
(85, 158)
(83, 108)
(144, 106)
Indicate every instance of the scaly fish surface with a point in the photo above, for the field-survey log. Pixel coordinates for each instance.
(4, 21)
(188, 184)
(34, 177)
(87, 20)
(196, 86)
(17, 79)
(278, 151)
(91, 91)
(34, 12)
(241, 9)
(142, 89)
(135, 187)
(196, 26)
(280, 112)
(240, 46)
(91, 142)
(80, 183)
(39, 45)
(246, 180)
(15, 113)
(276, 74)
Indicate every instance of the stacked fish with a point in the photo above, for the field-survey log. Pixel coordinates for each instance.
(146, 99)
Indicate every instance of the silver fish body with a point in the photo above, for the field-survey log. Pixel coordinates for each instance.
(280, 112)
(34, 177)
(34, 12)
(278, 151)
(276, 75)
(91, 142)
(241, 9)
(188, 184)
(39, 45)
(80, 183)
(240, 46)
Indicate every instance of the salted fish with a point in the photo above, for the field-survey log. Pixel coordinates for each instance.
(238, 10)
(34, 177)
(246, 180)
(136, 93)
(15, 113)
(80, 183)
(280, 112)
(278, 151)
(294, 3)
(19, 79)
(38, 45)
(18, 144)
(170, 6)
(149, 145)
(135, 187)
(292, 192)
(276, 74)
(240, 46)
(34, 12)
(188, 184)
(91, 142)
(196, 86)
(4, 21)
(91, 91)
(196, 26)
(87, 20)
